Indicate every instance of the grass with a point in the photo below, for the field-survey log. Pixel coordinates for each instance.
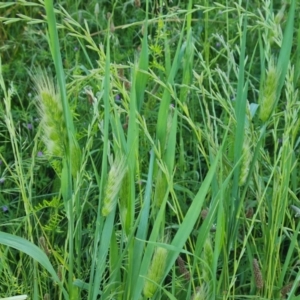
(149, 150)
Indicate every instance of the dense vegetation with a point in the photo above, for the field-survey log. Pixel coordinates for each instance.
(149, 149)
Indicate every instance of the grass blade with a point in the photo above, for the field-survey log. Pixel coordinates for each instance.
(33, 251)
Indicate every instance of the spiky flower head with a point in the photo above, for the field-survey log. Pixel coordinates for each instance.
(207, 256)
(44, 245)
(201, 293)
(60, 271)
(155, 272)
(160, 189)
(51, 114)
(113, 185)
(246, 160)
(286, 289)
(268, 97)
(257, 274)
(46, 297)
(182, 268)
(124, 201)
(97, 9)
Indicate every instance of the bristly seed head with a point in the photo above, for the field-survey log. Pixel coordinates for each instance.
(113, 185)
(51, 113)
(257, 274)
(287, 288)
(44, 245)
(155, 272)
(201, 293)
(268, 97)
(60, 272)
(182, 269)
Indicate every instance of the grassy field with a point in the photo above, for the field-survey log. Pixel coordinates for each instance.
(149, 149)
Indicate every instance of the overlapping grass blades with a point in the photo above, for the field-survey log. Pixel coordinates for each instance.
(197, 114)
(34, 252)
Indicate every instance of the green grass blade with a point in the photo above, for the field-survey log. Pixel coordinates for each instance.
(166, 98)
(192, 215)
(141, 76)
(67, 178)
(142, 229)
(169, 156)
(286, 47)
(102, 254)
(55, 50)
(149, 250)
(100, 251)
(240, 114)
(33, 251)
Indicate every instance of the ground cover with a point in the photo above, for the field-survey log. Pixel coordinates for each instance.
(149, 149)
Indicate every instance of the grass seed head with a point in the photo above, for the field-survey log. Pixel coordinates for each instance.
(201, 293)
(257, 274)
(137, 3)
(60, 272)
(97, 9)
(160, 188)
(287, 288)
(46, 297)
(113, 185)
(124, 198)
(246, 160)
(269, 92)
(204, 213)
(249, 212)
(44, 246)
(51, 113)
(155, 272)
(207, 256)
(182, 269)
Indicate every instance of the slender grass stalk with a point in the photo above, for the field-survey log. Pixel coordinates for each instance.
(142, 76)
(240, 114)
(191, 217)
(71, 147)
(20, 181)
(104, 230)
